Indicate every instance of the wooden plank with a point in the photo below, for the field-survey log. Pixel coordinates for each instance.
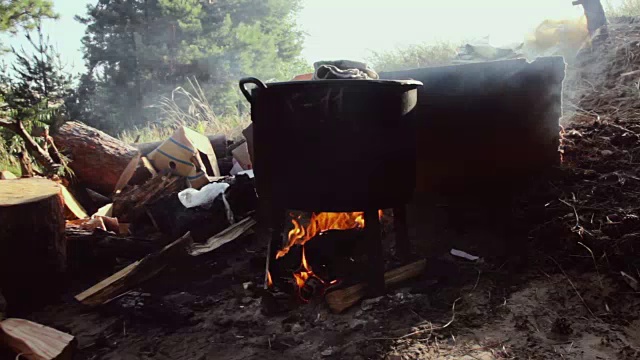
(134, 274)
(73, 209)
(342, 299)
(34, 341)
(106, 210)
(225, 236)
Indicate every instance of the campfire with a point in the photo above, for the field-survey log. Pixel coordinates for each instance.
(321, 251)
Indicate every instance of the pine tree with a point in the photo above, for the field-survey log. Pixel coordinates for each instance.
(34, 96)
(18, 15)
(139, 50)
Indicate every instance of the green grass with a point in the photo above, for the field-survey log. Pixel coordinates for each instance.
(8, 161)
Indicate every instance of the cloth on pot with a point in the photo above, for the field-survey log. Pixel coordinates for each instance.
(343, 69)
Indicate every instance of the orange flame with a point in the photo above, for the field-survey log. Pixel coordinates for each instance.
(320, 222)
(269, 280)
(305, 273)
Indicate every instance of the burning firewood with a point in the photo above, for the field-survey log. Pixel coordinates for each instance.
(342, 299)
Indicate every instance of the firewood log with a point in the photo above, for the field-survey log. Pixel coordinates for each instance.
(33, 341)
(136, 273)
(130, 204)
(101, 162)
(32, 242)
(342, 299)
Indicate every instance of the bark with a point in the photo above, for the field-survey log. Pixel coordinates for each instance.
(32, 243)
(99, 161)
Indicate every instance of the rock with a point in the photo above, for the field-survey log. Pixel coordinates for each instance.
(327, 352)
(370, 303)
(606, 152)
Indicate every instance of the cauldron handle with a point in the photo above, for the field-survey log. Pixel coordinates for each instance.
(250, 80)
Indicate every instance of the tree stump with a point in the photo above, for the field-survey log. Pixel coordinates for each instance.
(32, 242)
(101, 162)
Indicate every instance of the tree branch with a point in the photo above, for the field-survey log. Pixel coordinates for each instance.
(43, 157)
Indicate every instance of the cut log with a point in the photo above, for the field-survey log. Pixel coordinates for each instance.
(342, 299)
(129, 205)
(134, 274)
(72, 208)
(99, 161)
(32, 243)
(34, 341)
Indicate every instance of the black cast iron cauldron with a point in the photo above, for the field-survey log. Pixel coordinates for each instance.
(334, 145)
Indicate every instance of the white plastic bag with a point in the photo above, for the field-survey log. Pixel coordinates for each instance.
(204, 197)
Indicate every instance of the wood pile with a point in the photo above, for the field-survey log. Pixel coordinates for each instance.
(115, 222)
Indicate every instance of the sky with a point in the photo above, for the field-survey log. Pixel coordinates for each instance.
(352, 29)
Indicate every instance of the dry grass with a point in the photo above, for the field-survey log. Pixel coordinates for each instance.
(188, 107)
(622, 8)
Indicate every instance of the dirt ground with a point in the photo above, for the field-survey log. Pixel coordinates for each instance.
(457, 310)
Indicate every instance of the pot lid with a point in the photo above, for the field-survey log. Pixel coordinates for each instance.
(347, 82)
